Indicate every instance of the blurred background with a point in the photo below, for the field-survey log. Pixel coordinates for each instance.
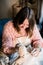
(7, 5)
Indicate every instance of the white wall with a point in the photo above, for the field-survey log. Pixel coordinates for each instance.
(41, 18)
(42, 10)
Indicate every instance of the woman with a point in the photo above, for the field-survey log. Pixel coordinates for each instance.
(23, 28)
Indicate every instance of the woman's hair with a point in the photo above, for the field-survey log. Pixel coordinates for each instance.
(24, 13)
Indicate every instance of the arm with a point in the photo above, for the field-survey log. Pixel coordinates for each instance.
(37, 40)
(7, 42)
(36, 37)
(23, 55)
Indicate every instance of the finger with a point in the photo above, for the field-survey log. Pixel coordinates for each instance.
(35, 53)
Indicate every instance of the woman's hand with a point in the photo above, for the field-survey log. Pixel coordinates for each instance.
(35, 52)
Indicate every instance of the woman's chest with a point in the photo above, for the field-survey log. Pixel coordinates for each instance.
(21, 38)
(24, 40)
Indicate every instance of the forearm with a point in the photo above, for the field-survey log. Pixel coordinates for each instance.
(23, 56)
(8, 51)
(36, 37)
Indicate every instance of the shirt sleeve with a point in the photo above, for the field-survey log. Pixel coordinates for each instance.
(7, 42)
(36, 37)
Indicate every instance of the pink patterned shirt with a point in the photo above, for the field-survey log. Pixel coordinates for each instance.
(10, 34)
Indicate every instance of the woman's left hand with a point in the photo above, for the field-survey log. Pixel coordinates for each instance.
(35, 52)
